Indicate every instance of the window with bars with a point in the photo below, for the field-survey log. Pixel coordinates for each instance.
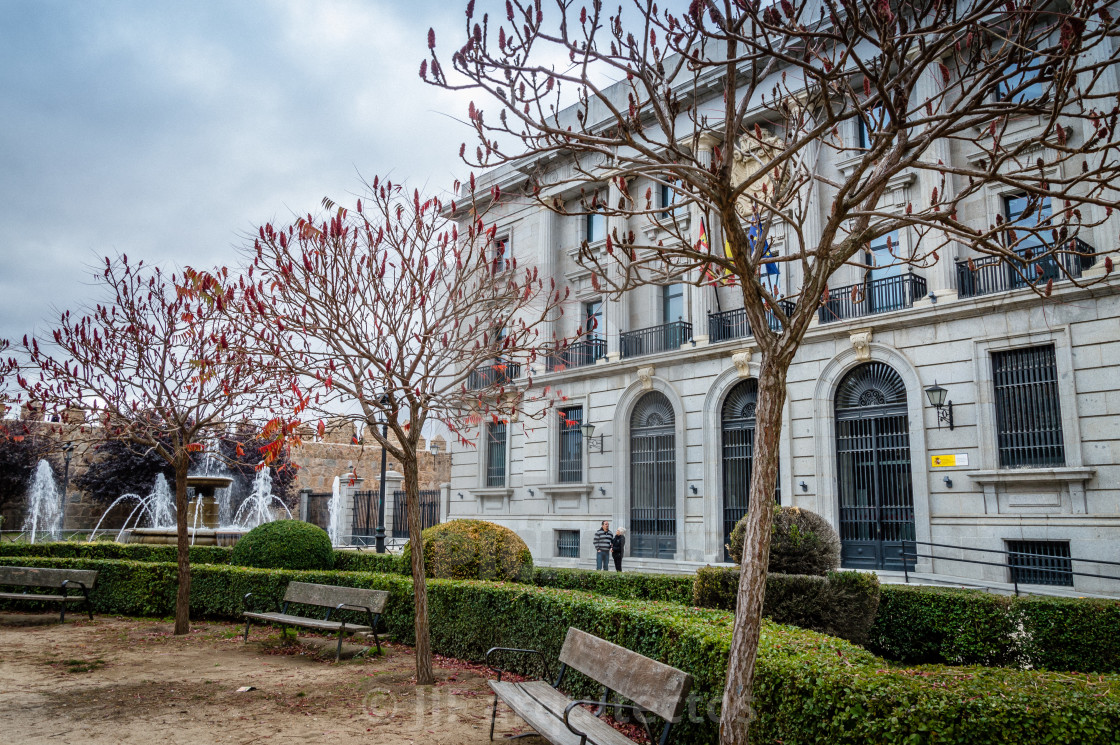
(1040, 562)
(567, 543)
(1028, 414)
(496, 454)
(571, 445)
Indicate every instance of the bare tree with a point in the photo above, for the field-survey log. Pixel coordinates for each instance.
(388, 311)
(159, 366)
(749, 111)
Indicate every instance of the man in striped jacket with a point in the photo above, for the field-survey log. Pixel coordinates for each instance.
(603, 543)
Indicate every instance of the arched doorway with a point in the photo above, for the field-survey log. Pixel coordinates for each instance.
(876, 490)
(737, 425)
(653, 478)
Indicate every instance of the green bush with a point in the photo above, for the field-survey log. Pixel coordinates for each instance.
(473, 549)
(808, 688)
(946, 625)
(113, 550)
(284, 544)
(801, 542)
(840, 604)
(369, 561)
(670, 588)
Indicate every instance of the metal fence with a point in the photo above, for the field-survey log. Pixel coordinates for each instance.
(871, 297)
(499, 373)
(429, 511)
(364, 528)
(663, 338)
(577, 354)
(997, 274)
(733, 324)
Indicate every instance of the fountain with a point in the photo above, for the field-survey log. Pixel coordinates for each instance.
(44, 505)
(157, 510)
(260, 506)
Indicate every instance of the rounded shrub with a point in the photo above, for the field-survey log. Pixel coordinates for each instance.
(473, 549)
(284, 544)
(802, 542)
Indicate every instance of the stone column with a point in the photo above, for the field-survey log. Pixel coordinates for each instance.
(393, 482)
(615, 310)
(939, 278)
(546, 261)
(702, 296)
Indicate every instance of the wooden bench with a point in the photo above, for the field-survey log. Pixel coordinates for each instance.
(62, 580)
(372, 602)
(655, 688)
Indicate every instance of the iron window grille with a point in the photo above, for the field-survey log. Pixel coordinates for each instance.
(567, 543)
(571, 445)
(1028, 414)
(496, 454)
(1040, 563)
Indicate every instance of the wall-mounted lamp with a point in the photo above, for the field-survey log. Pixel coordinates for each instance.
(948, 482)
(602, 491)
(804, 486)
(937, 395)
(532, 493)
(693, 489)
(460, 495)
(593, 445)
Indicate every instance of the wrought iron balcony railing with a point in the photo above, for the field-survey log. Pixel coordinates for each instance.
(733, 324)
(997, 274)
(665, 337)
(577, 354)
(497, 373)
(874, 296)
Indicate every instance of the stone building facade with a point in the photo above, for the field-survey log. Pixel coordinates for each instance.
(1031, 463)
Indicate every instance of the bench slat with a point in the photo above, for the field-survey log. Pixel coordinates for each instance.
(329, 596)
(650, 684)
(48, 598)
(46, 577)
(311, 623)
(536, 716)
(597, 730)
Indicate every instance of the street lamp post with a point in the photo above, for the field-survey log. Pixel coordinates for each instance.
(379, 540)
(67, 452)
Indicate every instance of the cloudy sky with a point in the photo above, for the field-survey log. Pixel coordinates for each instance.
(167, 131)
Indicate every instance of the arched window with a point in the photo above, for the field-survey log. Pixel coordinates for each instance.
(876, 490)
(653, 459)
(737, 420)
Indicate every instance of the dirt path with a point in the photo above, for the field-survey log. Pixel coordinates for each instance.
(131, 681)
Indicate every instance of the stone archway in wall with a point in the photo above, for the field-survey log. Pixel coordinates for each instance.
(905, 402)
(653, 478)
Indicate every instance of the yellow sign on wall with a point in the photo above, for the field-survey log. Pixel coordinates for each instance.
(948, 460)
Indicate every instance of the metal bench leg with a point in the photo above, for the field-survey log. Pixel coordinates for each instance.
(62, 616)
(338, 650)
(247, 622)
(493, 717)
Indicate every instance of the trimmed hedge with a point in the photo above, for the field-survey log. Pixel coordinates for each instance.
(801, 542)
(284, 544)
(947, 625)
(809, 688)
(473, 549)
(841, 604)
(369, 561)
(113, 550)
(670, 588)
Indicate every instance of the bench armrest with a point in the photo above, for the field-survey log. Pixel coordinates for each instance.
(640, 715)
(67, 582)
(245, 602)
(499, 670)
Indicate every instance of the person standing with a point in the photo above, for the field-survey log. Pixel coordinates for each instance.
(618, 545)
(603, 543)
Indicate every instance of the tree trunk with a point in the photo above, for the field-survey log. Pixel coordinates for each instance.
(424, 674)
(737, 712)
(183, 598)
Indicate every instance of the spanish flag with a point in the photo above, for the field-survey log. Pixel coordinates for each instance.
(713, 275)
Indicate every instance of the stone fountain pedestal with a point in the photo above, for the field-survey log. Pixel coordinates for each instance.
(202, 531)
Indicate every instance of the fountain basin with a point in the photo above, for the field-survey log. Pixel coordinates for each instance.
(195, 536)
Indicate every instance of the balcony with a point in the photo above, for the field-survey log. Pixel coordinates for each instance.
(997, 274)
(577, 354)
(663, 338)
(733, 324)
(874, 296)
(498, 373)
